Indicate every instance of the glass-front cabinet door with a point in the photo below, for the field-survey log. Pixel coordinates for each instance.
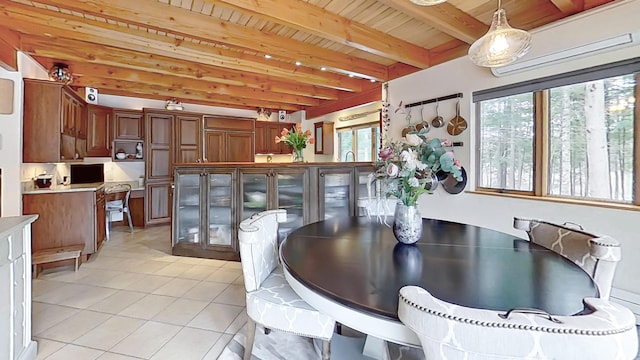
(187, 214)
(204, 216)
(336, 193)
(254, 191)
(269, 188)
(220, 213)
(292, 194)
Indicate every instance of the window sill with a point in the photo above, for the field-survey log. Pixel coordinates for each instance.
(558, 200)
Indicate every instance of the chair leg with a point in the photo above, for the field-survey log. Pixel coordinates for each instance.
(130, 222)
(251, 334)
(326, 349)
(108, 227)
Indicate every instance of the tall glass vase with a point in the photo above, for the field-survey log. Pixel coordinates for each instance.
(296, 155)
(407, 223)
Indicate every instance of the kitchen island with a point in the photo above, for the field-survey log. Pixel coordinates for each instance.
(211, 199)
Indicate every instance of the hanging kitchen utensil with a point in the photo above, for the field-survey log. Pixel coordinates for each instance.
(409, 127)
(437, 121)
(423, 126)
(453, 186)
(458, 124)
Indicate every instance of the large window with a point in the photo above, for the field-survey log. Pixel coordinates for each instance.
(570, 136)
(359, 143)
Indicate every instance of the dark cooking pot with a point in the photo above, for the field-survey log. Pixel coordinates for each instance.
(43, 181)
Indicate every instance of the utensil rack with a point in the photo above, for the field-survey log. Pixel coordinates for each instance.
(438, 99)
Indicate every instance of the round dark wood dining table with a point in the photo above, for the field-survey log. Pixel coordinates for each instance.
(358, 264)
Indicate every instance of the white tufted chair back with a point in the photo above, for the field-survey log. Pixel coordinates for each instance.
(596, 255)
(451, 332)
(270, 300)
(258, 237)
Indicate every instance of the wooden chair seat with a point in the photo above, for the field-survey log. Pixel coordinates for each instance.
(56, 254)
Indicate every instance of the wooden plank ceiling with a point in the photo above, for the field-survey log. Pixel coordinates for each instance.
(248, 54)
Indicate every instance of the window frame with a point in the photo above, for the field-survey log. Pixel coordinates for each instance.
(374, 125)
(540, 142)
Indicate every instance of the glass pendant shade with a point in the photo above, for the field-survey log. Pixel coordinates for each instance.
(427, 2)
(501, 45)
(60, 73)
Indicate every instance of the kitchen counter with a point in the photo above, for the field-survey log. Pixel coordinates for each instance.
(28, 187)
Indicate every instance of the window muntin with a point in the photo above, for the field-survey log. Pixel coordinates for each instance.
(589, 136)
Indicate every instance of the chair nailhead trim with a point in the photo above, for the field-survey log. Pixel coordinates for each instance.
(516, 326)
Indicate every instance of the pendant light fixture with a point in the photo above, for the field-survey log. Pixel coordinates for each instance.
(501, 45)
(427, 2)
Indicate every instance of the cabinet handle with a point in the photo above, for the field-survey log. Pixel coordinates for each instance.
(321, 174)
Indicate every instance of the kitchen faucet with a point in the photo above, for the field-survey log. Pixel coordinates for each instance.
(346, 155)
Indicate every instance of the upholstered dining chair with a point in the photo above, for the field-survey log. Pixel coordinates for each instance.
(447, 331)
(271, 302)
(597, 255)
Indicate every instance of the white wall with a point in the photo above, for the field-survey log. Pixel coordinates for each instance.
(337, 124)
(497, 212)
(10, 158)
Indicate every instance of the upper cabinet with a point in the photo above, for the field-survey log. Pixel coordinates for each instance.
(187, 138)
(128, 124)
(158, 146)
(266, 132)
(228, 139)
(99, 134)
(51, 108)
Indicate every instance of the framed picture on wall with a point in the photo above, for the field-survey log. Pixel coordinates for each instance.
(318, 135)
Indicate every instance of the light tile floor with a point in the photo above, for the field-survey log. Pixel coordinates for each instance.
(134, 300)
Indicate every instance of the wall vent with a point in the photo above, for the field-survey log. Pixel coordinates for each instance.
(557, 57)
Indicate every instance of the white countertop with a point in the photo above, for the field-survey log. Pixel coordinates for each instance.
(29, 187)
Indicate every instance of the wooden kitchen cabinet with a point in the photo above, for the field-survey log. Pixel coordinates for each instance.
(211, 200)
(99, 134)
(204, 221)
(158, 146)
(65, 218)
(229, 139)
(266, 132)
(188, 139)
(158, 153)
(101, 224)
(128, 124)
(54, 123)
(158, 199)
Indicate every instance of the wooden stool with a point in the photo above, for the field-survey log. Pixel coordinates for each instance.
(56, 254)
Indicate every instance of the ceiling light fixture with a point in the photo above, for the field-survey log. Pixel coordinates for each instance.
(60, 72)
(173, 104)
(427, 2)
(298, 63)
(501, 45)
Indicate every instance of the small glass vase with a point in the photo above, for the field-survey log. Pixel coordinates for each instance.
(296, 155)
(407, 223)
